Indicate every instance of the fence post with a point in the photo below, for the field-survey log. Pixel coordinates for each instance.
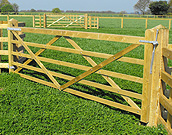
(33, 21)
(122, 22)
(97, 22)
(169, 23)
(163, 38)
(40, 21)
(146, 26)
(8, 18)
(45, 21)
(86, 21)
(149, 36)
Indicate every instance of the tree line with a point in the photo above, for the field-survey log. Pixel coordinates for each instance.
(6, 6)
(153, 7)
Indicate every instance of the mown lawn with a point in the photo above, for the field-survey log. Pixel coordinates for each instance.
(32, 108)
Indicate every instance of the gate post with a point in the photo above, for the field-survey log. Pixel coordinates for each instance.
(10, 46)
(154, 105)
(149, 36)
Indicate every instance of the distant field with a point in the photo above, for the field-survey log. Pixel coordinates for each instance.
(31, 108)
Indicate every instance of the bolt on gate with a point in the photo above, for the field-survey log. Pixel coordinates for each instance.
(156, 95)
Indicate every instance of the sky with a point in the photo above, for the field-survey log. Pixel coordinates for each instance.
(79, 5)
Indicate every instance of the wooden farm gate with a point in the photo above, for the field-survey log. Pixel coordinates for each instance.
(155, 101)
(65, 21)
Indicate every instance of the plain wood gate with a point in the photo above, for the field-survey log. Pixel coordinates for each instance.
(65, 21)
(155, 101)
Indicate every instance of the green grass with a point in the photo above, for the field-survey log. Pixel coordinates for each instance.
(32, 108)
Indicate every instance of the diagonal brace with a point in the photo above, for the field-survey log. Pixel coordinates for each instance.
(39, 52)
(107, 78)
(37, 61)
(99, 66)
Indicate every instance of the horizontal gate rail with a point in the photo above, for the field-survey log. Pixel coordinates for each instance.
(86, 35)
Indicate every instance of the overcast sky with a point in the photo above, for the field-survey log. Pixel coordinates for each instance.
(82, 5)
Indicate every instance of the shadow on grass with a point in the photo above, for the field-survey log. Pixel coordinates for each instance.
(83, 88)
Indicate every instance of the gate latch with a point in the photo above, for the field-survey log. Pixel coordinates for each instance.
(155, 44)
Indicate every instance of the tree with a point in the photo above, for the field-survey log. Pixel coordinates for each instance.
(4, 2)
(7, 8)
(141, 6)
(159, 7)
(15, 7)
(170, 8)
(56, 10)
(32, 10)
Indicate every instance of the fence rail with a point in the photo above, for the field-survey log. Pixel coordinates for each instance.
(154, 102)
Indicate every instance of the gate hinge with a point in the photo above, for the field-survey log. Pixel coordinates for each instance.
(14, 29)
(11, 67)
(155, 43)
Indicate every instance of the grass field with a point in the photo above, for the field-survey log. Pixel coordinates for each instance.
(31, 108)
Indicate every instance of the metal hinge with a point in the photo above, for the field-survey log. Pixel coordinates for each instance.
(155, 43)
(11, 67)
(14, 29)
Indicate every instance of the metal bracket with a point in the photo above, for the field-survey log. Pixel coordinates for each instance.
(11, 67)
(155, 43)
(14, 29)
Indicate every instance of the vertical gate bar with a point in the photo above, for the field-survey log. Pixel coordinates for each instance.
(149, 36)
(40, 25)
(86, 21)
(33, 21)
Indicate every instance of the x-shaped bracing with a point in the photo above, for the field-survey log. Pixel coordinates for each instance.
(85, 74)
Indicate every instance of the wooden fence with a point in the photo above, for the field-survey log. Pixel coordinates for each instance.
(155, 101)
(130, 18)
(64, 21)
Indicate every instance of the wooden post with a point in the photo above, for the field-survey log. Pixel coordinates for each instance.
(10, 47)
(163, 38)
(149, 36)
(169, 23)
(97, 22)
(146, 26)
(40, 21)
(122, 22)
(8, 18)
(45, 21)
(86, 21)
(33, 21)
